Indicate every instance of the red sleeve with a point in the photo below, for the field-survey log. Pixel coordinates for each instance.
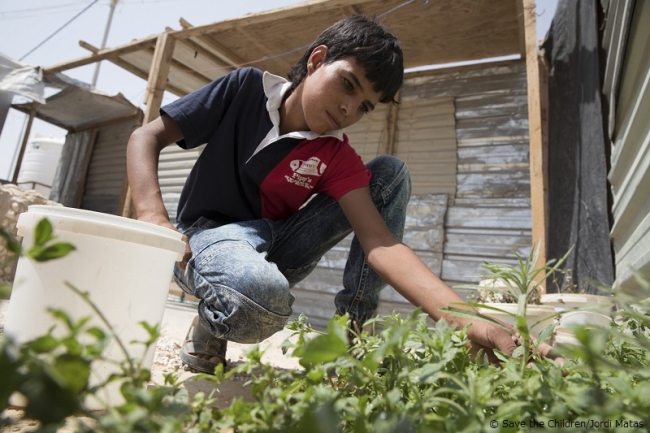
(345, 173)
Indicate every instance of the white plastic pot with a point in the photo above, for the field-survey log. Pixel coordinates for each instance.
(568, 301)
(564, 333)
(538, 317)
(126, 267)
(565, 337)
(585, 318)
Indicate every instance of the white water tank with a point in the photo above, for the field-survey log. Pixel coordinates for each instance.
(39, 164)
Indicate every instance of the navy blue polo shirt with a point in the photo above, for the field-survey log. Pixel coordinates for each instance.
(247, 170)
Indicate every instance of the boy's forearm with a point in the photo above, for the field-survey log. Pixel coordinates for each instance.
(142, 171)
(400, 267)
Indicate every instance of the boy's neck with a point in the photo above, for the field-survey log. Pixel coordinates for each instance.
(292, 118)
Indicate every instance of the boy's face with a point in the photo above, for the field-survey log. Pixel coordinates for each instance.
(335, 95)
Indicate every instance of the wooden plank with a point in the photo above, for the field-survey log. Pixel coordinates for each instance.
(101, 123)
(208, 56)
(296, 11)
(23, 146)
(522, 28)
(178, 66)
(252, 41)
(388, 142)
(221, 51)
(153, 99)
(93, 49)
(453, 69)
(132, 68)
(538, 170)
(105, 54)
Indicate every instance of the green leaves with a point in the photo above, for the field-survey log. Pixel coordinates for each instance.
(406, 375)
(44, 248)
(12, 244)
(50, 252)
(326, 347)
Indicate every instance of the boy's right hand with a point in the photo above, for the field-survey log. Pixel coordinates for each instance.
(163, 222)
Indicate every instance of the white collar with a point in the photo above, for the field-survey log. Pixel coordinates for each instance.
(275, 87)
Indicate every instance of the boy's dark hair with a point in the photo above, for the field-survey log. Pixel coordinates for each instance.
(373, 46)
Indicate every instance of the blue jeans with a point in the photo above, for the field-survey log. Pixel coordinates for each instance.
(243, 272)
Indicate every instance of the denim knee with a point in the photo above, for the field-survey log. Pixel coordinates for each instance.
(228, 314)
(390, 175)
(244, 298)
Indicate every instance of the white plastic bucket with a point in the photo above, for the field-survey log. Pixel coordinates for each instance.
(126, 267)
(538, 317)
(583, 301)
(586, 318)
(564, 337)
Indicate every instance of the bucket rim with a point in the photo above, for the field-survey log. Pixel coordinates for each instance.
(88, 222)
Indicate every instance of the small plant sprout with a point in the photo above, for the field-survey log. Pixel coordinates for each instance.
(519, 284)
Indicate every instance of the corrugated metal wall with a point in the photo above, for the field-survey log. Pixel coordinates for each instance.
(107, 168)
(426, 142)
(490, 216)
(173, 168)
(630, 157)
(366, 135)
(424, 234)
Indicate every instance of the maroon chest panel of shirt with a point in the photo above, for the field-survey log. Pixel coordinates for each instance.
(324, 165)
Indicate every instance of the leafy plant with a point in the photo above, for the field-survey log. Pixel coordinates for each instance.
(521, 285)
(52, 374)
(406, 376)
(45, 248)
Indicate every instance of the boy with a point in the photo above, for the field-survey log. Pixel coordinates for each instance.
(271, 145)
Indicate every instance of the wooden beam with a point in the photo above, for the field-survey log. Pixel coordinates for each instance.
(158, 74)
(103, 124)
(221, 51)
(132, 69)
(538, 169)
(187, 70)
(23, 146)
(390, 137)
(144, 75)
(253, 41)
(295, 11)
(352, 10)
(462, 68)
(105, 54)
(522, 28)
(225, 54)
(160, 65)
(93, 49)
(72, 129)
(43, 118)
(190, 44)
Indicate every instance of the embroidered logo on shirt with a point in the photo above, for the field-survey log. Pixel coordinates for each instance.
(303, 169)
(312, 167)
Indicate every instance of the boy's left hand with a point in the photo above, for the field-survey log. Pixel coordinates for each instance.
(489, 336)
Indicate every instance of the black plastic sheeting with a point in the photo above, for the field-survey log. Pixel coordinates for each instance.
(577, 156)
